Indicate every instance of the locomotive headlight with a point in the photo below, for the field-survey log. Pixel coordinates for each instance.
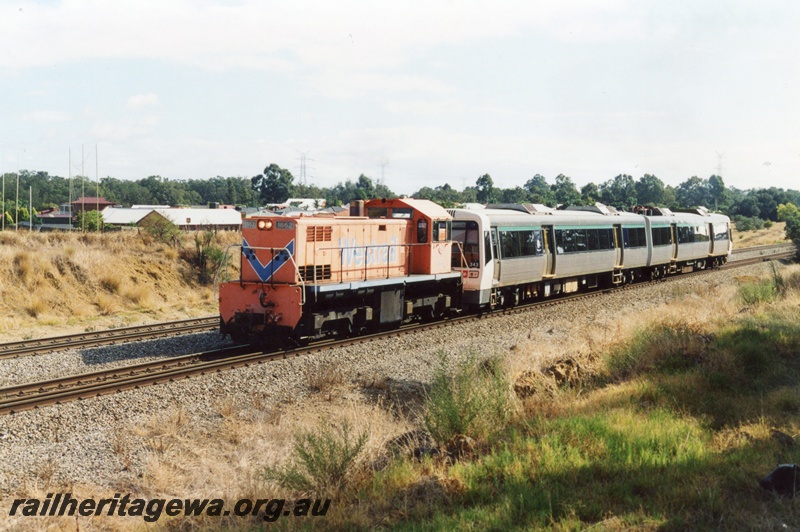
(264, 224)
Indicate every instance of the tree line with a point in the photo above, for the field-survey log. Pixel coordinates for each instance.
(276, 185)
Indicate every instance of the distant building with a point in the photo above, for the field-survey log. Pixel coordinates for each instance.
(190, 219)
(90, 204)
(196, 219)
(122, 218)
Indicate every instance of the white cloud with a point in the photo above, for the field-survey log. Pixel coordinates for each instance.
(256, 34)
(143, 100)
(46, 116)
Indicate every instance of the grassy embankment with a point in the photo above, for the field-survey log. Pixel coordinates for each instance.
(52, 283)
(671, 424)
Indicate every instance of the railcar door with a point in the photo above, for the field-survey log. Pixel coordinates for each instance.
(496, 253)
(710, 239)
(673, 229)
(618, 244)
(549, 241)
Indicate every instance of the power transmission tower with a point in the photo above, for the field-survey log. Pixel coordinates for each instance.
(304, 167)
(383, 162)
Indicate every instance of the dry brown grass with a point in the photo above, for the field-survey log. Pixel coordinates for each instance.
(51, 283)
(774, 235)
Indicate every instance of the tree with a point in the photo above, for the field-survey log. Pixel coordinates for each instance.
(366, 190)
(89, 221)
(540, 191)
(274, 185)
(650, 190)
(514, 195)
(716, 192)
(746, 206)
(693, 192)
(790, 214)
(565, 191)
(619, 192)
(590, 194)
(486, 190)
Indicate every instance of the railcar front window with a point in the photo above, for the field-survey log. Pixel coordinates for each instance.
(468, 235)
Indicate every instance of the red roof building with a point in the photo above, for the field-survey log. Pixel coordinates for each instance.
(90, 204)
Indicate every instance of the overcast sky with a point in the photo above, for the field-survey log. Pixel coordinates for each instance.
(428, 92)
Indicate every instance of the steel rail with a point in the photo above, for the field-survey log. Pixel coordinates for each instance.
(107, 336)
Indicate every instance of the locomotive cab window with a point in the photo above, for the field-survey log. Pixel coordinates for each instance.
(422, 230)
(402, 212)
(441, 230)
(377, 212)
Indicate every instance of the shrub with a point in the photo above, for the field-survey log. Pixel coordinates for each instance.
(208, 256)
(322, 459)
(669, 347)
(475, 401)
(748, 223)
(762, 291)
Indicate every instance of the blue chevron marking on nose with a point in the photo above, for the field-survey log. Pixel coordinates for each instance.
(266, 271)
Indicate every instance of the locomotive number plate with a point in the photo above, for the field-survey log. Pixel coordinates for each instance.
(248, 224)
(284, 225)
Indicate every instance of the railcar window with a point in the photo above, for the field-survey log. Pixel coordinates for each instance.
(662, 236)
(487, 247)
(685, 234)
(701, 233)
(721, 232)
(634, 237)
(605, 238)
(578, 240)
(521, 243)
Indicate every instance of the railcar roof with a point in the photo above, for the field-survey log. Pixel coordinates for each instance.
(556, 217)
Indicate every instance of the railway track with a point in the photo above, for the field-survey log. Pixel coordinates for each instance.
(109, 336)
(164, 329)
(103, 382)
(765, 247)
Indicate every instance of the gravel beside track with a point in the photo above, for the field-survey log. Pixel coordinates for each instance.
(77, 439)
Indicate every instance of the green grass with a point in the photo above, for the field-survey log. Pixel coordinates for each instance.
(673, 433)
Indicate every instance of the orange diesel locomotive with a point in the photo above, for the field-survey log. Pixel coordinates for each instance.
(304, 278)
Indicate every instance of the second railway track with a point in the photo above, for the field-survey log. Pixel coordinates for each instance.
(108, 336)
(78, 387)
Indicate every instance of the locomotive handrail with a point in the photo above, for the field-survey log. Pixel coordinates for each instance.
(366, 248)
